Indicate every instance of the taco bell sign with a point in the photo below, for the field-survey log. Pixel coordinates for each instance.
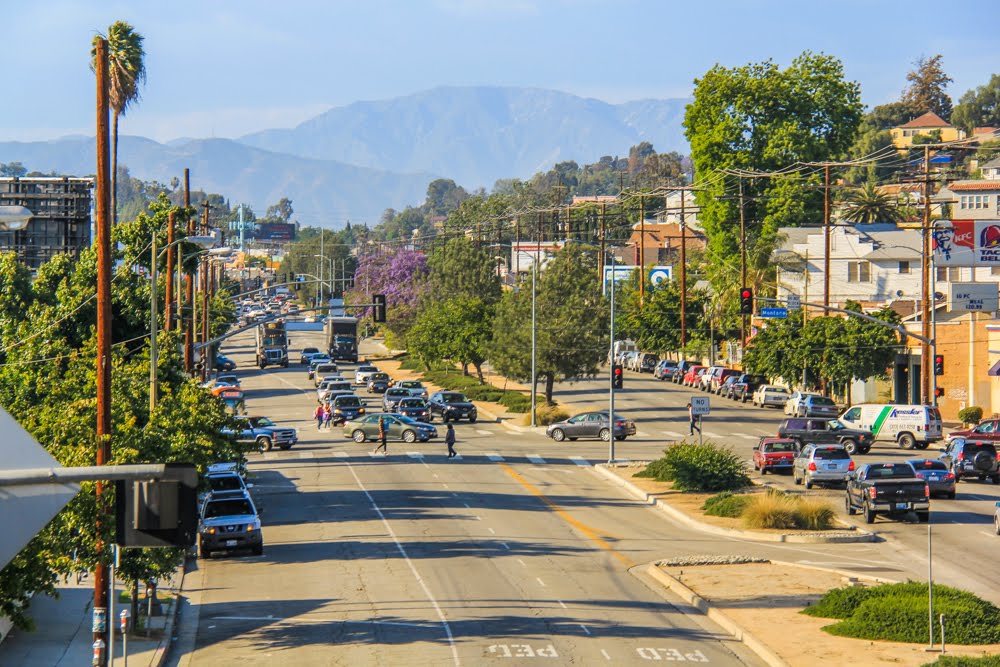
(974, 296)
(967, 243)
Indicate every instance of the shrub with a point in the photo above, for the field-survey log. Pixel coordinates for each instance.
(769, 510)
(726, 504)
(516, 401)
(965, 661)
(545, 415)
(813, 514)
(971, 415)
(700, 467)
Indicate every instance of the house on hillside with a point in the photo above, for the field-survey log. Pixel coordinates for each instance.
(926, 125)
(661, 243)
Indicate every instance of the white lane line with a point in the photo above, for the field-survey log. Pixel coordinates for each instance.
(747, 436)
(584, 628)
(467, 505)
(675, 434)
(435, 474)
(505, 546)
(413, 568)
(714, 435)
(477, 517)
(493, 456)
(305, 455)
(562, 604)
(341, 455)
(270, 455)
(536, 459)
(492, 532)
(482, 432)
(444, 485)
(605, 654)
(540, 582)
(987, 534)
(415, 455)
(580, 461)
(242, 618)
(522, 562)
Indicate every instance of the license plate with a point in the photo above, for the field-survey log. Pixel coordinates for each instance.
(935, 478)
(831, 466)
(230, 543)
(902, 506)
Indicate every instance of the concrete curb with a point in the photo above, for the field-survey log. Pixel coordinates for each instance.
(163, 648)
(676, 514)
(738, 632)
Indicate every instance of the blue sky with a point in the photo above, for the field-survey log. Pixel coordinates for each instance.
(224, 68)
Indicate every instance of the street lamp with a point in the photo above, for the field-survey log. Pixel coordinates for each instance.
(202, 241)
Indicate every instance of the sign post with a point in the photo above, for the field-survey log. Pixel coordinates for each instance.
(699, 408)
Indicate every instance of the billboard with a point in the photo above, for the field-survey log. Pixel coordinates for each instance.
(966, 243)
(974, 296)
(275, 231)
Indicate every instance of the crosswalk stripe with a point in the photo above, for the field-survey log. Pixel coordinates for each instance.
(675, 434)
(494, 457)
(415, 455)
(341, 455)
(305, 455)
(270, 455)
(457, 456)
(748, 436)
(535, 458)
(580, 461)
(482, 432)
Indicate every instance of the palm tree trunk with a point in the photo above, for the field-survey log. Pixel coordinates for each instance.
(114, 169)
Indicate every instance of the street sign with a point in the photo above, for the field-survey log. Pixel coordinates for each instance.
(657, 274)
(24, 510)
(779, 313)
(974, 296)
(699, 406)
(793, 302)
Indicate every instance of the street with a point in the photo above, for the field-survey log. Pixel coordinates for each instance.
(514, 551)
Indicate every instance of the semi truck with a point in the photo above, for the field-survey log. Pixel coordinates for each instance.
(342, 338)
(272, 344)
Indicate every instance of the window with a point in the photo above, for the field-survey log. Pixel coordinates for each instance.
(974, 202)
(947, 274)
(858, 272)
(904, 267)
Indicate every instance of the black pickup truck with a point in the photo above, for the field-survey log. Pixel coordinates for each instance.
(890, 489)
(826, 432)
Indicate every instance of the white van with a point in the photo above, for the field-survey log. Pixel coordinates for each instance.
(908, 425)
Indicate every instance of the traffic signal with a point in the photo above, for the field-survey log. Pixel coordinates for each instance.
(938, 364)
(259, 283)
(617, 376)
(746, 301)
(939, 392)
(378, 311)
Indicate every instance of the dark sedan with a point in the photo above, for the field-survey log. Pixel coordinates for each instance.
(452, 405)
(224, 363)
(590, 425)
(378, 383)
(415, 408)
(939, 479)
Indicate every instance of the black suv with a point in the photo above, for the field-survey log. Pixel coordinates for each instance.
(743, 387)
(972, 458)
(451, 405)
(826, 432)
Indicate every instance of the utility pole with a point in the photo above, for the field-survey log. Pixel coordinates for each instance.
(642, 251)
(826, 236)
(743, 266)
(189, 321)
(603, 228)
(683, 274)
(204, 299)
(168, 305)
(103, 246)
(926, 363)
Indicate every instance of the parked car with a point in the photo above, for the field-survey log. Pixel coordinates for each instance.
(717, 380)
(263, 433)
(452, 405)
(378, 383)
(415, 407)
(822, 464)
(228, 379)
(590, 425)
(646, 362)
(705, 381)
(307, 354)
(939, 479)
(986, 430)
(224, 480)
(726, 386)
(224, 363)
(691, 375)
(792, 405)
(228, 521)
(770, 395)
(363, 372)
(889, 489)
(415, 387)
(744, 387)
(910, 426)
(971, 458)
(683, 366)
(398, 428)
(816, 406)
(774, 455)
(825, 432)
(346, 407)
(392, 397)
(665, 370)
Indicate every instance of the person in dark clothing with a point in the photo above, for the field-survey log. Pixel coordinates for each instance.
(693, 425)
(383, 433)
(449, 439)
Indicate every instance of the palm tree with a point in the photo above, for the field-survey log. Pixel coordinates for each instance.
(869, 204)
(126, 70)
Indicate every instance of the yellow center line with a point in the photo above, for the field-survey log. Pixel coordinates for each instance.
(591, 534)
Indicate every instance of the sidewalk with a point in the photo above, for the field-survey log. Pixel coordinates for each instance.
(63, 638)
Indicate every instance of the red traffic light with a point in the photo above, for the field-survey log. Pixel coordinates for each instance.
(746, 294)
(618, 370)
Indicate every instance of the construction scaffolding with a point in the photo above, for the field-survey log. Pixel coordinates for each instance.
(61, 217)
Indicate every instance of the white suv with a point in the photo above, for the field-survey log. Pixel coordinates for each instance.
(361, 375)
(792, 404)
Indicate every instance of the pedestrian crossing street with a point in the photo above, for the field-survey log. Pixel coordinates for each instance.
(495, 457)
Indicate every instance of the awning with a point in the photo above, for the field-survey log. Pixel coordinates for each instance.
(994, 370)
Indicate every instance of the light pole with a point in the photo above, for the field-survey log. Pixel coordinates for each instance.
(534, 369)
(611, 375)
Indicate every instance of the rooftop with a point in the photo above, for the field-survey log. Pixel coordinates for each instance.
(929, 119)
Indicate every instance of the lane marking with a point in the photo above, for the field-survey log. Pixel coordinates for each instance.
(522, 562)
(242, 618)
(562, 604)
(444, 485)
(505, 546)
(540, 582)
(415, 455)
(457, 456)
(492, 532)
(584, 628)
(580, 461)
(535, 458)
(477, 517)
(605, 654)
(413, 568)
(270, 455)
(676, 434)
(493, 456)
(747, 436)
(341, 455)
(588, 532)
(983, 532)
(305, 455)
(467, 505)
(482, 432)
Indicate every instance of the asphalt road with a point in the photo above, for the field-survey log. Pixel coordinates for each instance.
(515, 552)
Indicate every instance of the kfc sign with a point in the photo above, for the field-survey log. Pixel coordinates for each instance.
(967, 243)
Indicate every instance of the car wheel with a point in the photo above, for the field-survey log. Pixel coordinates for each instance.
(848, 506)
(409, 436)
(950, 495)
(605, 434)
(472, 419)
(907, 441)
(358, 435)
(869, 513)
(850, 445)
(264, 444)
(996, 524)
(996, 479)
(796, 478)
(258, 550)
(923, 517)
(559, 436)
(809, 483)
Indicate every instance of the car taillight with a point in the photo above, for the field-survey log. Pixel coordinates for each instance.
(927, 490)
(961, 455)
(812, 466)
(950, 476)
(850, 466)
(871, 492)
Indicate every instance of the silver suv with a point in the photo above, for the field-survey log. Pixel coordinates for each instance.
(822, 464)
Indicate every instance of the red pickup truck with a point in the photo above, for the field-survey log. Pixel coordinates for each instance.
(774, 454)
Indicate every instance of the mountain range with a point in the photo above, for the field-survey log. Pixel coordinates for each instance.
(352, 162)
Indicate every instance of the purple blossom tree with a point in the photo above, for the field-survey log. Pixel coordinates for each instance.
(400, 276)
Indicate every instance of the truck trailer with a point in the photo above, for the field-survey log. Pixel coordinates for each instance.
(272, 344)
(342, 338)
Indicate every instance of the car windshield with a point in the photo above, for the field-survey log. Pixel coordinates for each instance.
(831, 454)
(310, 350)
(397, 392)
(776, 390)
(884, 470)
(928, 465)
(342, 340)
(779, 447)
(225, 483)
(348, 402)
(234, 507)
(453, 398)
(411, 403)
(410, 384)
(367, 369)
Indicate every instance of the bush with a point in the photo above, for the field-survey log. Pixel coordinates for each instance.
(970, 415)
(898, 612)
(769, 510)
(516, 401)
(726, 504)
(545, 415)
(965, 661)
(699, 467)
(813, 514)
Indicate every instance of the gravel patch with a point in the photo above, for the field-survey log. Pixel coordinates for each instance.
(688, 561)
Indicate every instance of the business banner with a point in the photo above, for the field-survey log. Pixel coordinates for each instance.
(966, 243)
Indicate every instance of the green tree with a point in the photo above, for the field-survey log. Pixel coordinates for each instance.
(926, 89)
(572, 322)
(979, 107)
(655, 325)
(462, 268)
(280, 212)
(869, 204)
(126, 71)
(12, 169)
